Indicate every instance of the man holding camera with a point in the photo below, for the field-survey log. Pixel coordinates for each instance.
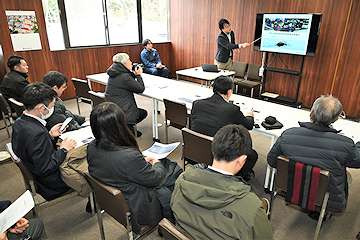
(123, 83)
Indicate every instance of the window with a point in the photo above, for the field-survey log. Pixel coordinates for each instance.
(105, 22)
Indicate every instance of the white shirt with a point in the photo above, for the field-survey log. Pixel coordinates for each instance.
(42, 121)
(220, 171)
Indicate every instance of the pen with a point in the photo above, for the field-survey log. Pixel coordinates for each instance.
(252, 109)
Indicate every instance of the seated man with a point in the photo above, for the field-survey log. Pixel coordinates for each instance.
(122, 84)
(210, 114)
(209, 202)
(151, 60)
(15, 80)
(36, 146)
(57, 81)
(318, 144)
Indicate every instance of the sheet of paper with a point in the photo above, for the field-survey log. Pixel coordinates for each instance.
(81, 136)
(159, 150)
(16, 211)
(271, 95)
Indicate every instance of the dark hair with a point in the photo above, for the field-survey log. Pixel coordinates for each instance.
(54, 78)
(108, 125)
(222, 22)
(222, 84)
(326, 110)
(13, 61)
(146, 42)
(230, 142)
(36, 93)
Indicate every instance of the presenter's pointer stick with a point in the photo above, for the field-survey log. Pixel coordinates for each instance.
(255, 40)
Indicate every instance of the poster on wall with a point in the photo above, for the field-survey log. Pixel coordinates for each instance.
(24, 30)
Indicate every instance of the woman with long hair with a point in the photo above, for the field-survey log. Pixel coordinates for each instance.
(115, 159)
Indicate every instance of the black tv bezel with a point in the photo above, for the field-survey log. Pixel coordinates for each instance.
(313, 34)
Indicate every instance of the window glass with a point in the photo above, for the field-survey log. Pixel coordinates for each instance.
(154, 20)
(85, 22)
(53, 25)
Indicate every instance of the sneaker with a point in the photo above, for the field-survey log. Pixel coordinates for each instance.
(266, 204)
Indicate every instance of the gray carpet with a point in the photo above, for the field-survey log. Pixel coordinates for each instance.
(68, 219)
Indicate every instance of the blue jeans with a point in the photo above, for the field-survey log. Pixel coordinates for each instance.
(157, 71)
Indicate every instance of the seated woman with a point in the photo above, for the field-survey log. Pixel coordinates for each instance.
(115, 159)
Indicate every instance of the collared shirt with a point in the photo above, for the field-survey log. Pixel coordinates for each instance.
(42, 121)
(223, 97)
(229, 37)
(220, 171)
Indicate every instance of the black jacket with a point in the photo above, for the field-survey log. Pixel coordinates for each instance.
(60, 114)
(210, 114)
(224, 47)
(120, 89)
(127, 170)
(34, 145)
(321, 147)
(13, 85)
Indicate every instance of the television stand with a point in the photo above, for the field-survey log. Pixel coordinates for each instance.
(271, 97)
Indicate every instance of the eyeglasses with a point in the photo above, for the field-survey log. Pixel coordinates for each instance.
(65, 87)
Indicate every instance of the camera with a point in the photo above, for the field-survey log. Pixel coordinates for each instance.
(137, 65)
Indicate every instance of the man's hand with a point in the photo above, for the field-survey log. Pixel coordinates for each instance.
(138, 71)
(159, 65)
(20, 226)
(245, 45)
(68, 144)
(87, 119)
(152, 160)
(251, 113)
(55, 130)
(237, 50)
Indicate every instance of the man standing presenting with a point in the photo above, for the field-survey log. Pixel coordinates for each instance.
(317, 143)
(209, 202)
(151, 60)
(210, 114)
(15, 80)
(225, 46)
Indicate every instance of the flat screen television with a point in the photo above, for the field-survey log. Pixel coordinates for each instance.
(287, 33)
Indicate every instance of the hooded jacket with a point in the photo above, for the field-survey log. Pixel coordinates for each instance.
(322, 147)
(120, 90)
(210, 205)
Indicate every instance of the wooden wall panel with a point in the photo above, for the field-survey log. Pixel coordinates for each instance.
(194, 30)
(73, 63)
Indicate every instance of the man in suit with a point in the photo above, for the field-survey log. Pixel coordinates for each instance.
(36, 146)
(210, 114)
(225, 46)
(15, 80)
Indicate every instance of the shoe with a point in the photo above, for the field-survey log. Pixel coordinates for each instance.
(358, 236)
(315, 215)
(250, 175)
(138, 134)
(158, 112)
(88, 207)
(266, 204)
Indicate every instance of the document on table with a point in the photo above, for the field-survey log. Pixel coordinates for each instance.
(81, 136)
(159, 150)
(16, 211)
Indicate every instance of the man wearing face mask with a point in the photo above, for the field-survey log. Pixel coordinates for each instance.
(35, 145)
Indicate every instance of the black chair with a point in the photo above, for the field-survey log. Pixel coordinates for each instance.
(170, 231)
(17, 106)
(196, 147)
(175, 116)
(82, 91)
(97, 98)
(248, 81)
(280, 188)
(113, 202)
(6, 113)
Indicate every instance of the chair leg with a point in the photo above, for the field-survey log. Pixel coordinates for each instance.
(77, 102)
(6, 126)
(321, 217)
(166, 132)
(252, 92)
(36, 206)
(92, 203)
(101, 226)
(135, 130)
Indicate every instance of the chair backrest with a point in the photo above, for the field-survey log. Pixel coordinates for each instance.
(170, 231)
(110, 199)
(17, 106)
(253, 72)
(81, 88)
(282, 180)
(176, 112)
(4, 106)
(240, 69)
(97, 98)
(197, 146)
(27, 175)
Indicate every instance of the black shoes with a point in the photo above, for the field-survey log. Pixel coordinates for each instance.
(138, 134)
(315, 215)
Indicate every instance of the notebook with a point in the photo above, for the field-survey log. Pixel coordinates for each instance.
(209, 67)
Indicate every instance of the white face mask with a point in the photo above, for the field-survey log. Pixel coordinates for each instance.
(51, 111)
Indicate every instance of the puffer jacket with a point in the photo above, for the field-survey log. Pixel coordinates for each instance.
(322, 147)
(120, 90)
(211, 205)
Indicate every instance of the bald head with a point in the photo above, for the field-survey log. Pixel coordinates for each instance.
(326, 110)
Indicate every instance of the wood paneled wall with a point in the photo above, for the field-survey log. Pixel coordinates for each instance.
(73, 63)
(194, 28)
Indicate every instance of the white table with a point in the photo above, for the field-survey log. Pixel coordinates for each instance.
(198, 73)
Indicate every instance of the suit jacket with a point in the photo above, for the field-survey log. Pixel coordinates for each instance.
(34, 145)
(60, 114)
(210, 114)
(13, 85)
(224, 47)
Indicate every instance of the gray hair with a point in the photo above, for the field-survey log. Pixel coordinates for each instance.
(326, 110)
(120, 58)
